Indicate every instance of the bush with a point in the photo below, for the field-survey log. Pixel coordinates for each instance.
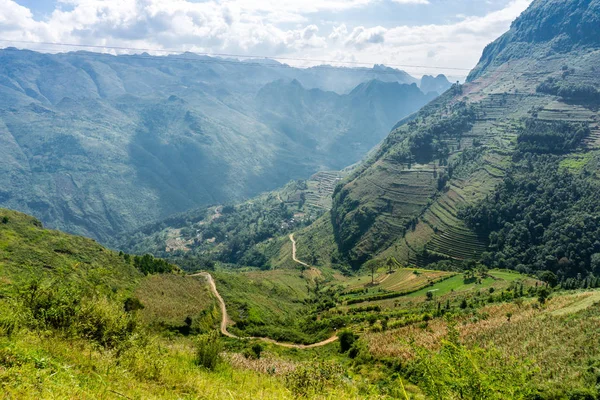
(132, 304)
(456, 371)
(208, 349)
(347, 338)
(311, 379)
(253, 352)
(105, 322)
(49, 306)
(9, 318)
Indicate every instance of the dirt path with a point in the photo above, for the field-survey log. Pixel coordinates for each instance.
(225, 321)
(294, 252)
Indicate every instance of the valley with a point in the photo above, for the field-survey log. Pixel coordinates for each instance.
(195, 227)
(98, 145)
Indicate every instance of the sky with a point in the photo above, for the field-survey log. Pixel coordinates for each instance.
(419, 36)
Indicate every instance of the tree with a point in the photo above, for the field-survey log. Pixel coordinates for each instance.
(372, 266)
(429, 295)
(392, 263)
(543, 295)
(595, 263)
(549, 278)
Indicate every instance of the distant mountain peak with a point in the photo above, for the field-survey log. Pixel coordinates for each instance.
(546, 27)
(438, 84)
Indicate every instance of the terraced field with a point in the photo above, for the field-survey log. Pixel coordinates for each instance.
(320, 188)
(402, 280)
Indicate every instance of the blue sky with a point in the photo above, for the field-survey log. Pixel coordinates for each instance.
(434, 33)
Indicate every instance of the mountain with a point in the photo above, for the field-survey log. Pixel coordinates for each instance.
(502, 169)
(243, 234)
(355, 122)
(438, 84)
(343, 79)
(547, 27)
(96, 144)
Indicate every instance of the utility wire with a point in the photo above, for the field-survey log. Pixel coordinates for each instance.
(230, 55)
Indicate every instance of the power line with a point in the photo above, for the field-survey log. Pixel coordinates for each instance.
(235, 62)
(276, 58)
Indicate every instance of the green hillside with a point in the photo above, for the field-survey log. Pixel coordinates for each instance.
(528, 113)
(246, 234)
(29, 250)
(97, 145)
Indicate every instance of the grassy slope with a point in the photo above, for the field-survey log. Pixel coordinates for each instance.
(60, 364)
(29, 250)
(170, 299)
(560, 340)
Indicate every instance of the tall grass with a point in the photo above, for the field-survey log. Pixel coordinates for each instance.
(208, 350)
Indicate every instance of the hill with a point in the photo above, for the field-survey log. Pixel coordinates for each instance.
(477, 173)
(96, 144)
(495, 333)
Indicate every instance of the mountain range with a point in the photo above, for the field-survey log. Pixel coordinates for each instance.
(96, 144)
(456, 181)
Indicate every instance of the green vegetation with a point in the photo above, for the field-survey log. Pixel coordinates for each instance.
(208, 350)
(579, 93)
(423, 196)
(233, 234)
(28, 250)
(177, 303)
(555, 230)
(154, 335)
(555, 137)
(456, 371)
(492, 187)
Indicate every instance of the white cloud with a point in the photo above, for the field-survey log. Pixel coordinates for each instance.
(362, 37)
(258, 27)
(338, 32)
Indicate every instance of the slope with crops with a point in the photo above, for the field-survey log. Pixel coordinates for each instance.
(532, 101)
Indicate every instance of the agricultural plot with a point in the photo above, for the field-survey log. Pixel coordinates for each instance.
(402, 280)
(320, 188)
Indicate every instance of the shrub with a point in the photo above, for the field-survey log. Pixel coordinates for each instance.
(254, 351)
(10, 318)
(132, 304)
(105, 322)
(208, 349)
(257, 349)
(456, 371)
(49, 306)
(347, 338)
(311, 379)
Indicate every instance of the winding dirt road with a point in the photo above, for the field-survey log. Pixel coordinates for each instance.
(294, 252)
(225, 317)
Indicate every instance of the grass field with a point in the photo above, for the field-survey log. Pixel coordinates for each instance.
(171, 299)
(560, 340)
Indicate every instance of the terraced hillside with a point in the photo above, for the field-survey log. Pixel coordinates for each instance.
(406, 199)
(320, 188)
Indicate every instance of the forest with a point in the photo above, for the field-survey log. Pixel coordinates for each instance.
(541, 217)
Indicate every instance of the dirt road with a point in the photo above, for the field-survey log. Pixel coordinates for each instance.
(294, 252)
(225, 320)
